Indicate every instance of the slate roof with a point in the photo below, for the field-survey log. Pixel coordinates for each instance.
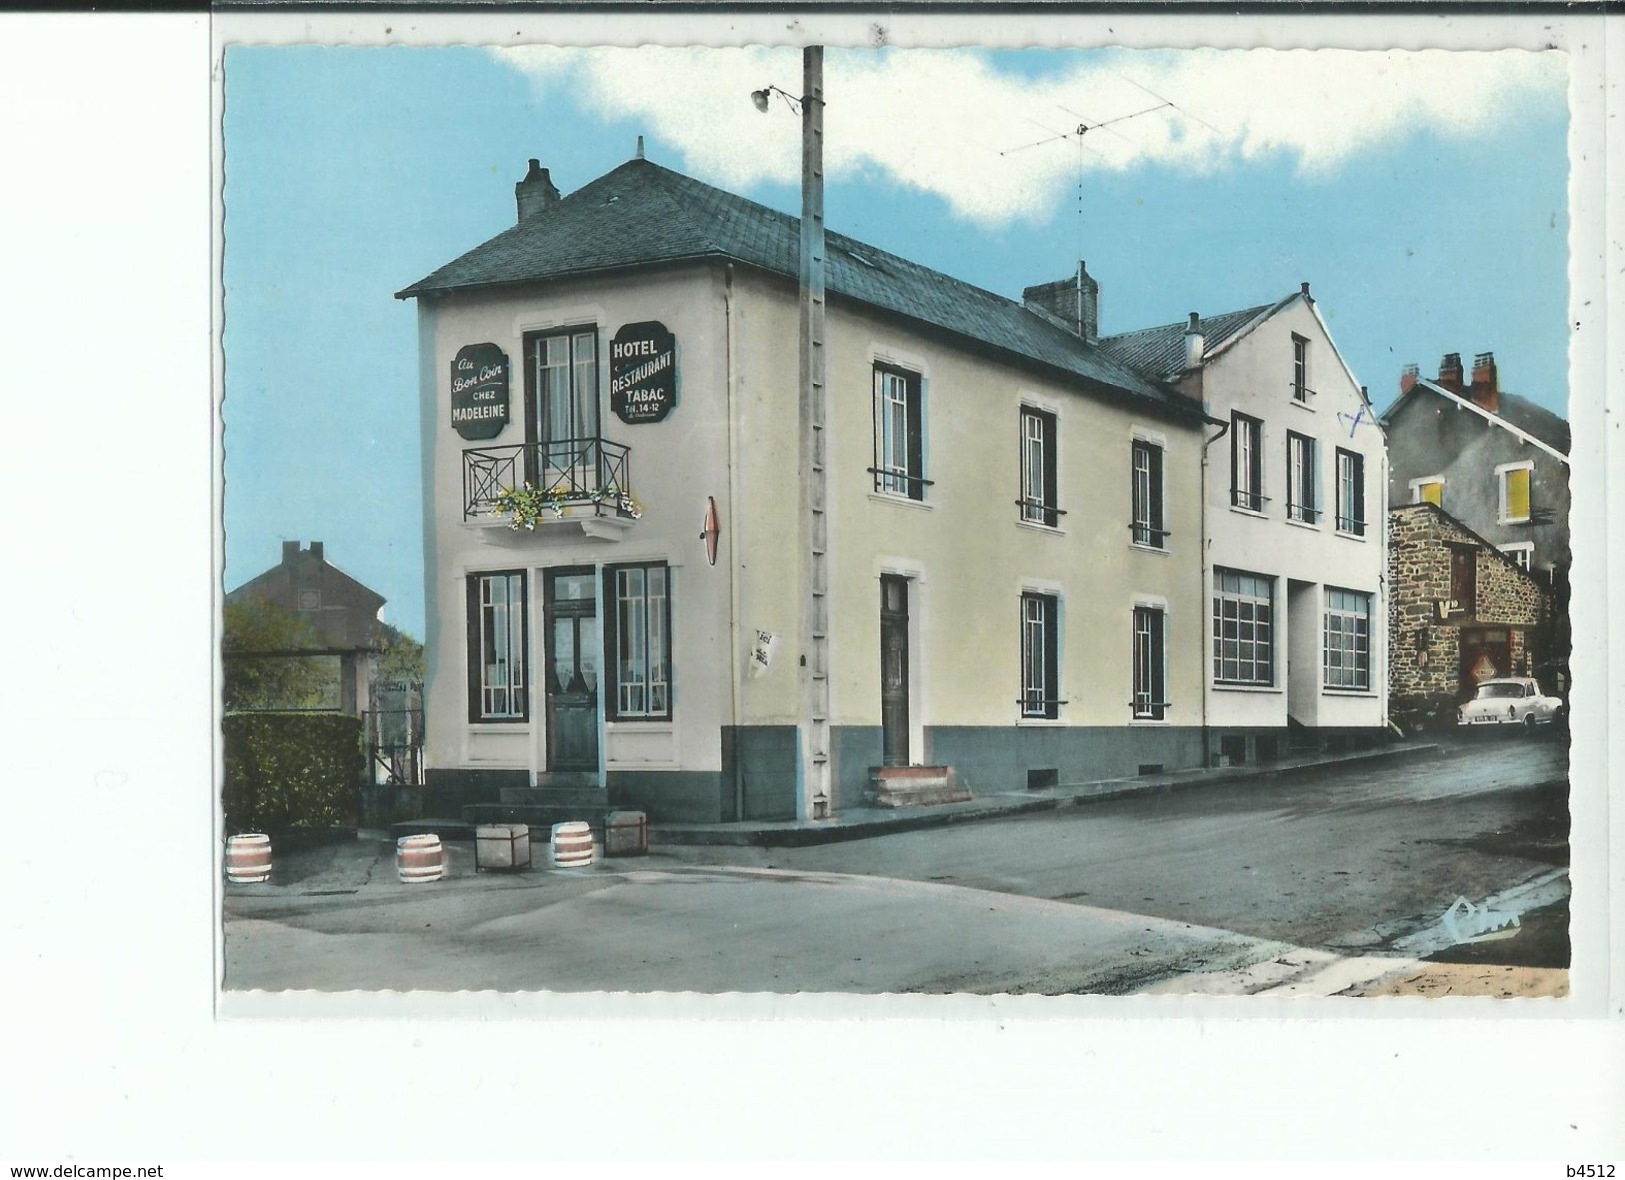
(1160, 351)
(641, 214)
(1516, 411)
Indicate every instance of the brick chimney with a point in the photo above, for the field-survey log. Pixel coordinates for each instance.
(1408, 377)
(290, 550)
(1450, 372)
(536, 193)
(1074, 301)
(316, 550)
(1486, 388)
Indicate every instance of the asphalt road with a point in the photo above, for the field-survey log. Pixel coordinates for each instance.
(1346, 861)
(1238, 888)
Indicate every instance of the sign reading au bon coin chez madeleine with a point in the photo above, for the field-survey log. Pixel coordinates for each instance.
(642, 372)
(479, 391)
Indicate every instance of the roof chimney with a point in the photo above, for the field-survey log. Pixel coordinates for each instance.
(1486, 387)
(290, 550)
(1195, 344)
(1075, 301)
(1450, 372)
(316, 550)
(1408, 377)
(535, 193)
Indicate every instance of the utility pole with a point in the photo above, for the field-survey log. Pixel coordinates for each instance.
(814, 797)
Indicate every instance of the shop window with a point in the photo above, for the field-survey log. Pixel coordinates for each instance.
(1243, 628)
(497, 653)
(640, 641)
(1347, 647)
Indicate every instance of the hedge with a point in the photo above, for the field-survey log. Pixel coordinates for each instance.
(291, 771)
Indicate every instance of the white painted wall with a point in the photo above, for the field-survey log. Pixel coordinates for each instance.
(1254, 376)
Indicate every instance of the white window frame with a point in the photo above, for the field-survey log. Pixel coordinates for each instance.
(899, 472)
(1346, 523)
(1246, 461)
(504, 623)
(1302, 479)
(1346, 632)
(1141, 705)
(1522, 554)
(645, 695)
(1148, 528)
(1501, 473)
(1301, 392)
(1037, 505)
(1418, 484)
(1040, 620)
(1248, 597)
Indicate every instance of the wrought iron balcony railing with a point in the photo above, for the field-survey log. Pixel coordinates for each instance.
(578, 471)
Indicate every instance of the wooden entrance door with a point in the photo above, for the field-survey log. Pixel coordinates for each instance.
(894, 670)
(573, 657)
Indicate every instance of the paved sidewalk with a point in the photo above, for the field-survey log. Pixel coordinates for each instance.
(857, 823)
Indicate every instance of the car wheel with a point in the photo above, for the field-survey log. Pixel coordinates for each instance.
(1529, 722)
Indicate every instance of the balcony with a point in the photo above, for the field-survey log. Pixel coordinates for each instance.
(586, 483)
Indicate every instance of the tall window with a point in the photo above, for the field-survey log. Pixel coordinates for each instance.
(898, 465)
(1243, 628)
(1302, 481)
(496, 647)
(1146, 494)
(1038, 467)
(640, 638)
(1347, 648)
(1150, 663)
(1246, 462)
(561, 408)
(1350, 493)
(1300, 370)
(1039, 695)
(1514, 491)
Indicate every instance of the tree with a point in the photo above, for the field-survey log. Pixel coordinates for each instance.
(262, 667)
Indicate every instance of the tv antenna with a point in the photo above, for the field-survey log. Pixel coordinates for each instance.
(1085, 125)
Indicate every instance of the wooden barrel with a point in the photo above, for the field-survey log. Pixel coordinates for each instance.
(572, 845)
(420, 858)
(248, 858)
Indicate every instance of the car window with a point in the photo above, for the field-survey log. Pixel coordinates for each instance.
(1488, 692)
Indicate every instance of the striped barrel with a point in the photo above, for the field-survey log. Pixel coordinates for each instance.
(248, 858)
(420, 858)
(572, 845)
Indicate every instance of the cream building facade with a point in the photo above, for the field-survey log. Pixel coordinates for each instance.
(1015, 519)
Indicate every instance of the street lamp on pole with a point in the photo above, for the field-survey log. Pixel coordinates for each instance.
(814, 797)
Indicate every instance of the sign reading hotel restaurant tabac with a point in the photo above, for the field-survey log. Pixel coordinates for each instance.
(643, 372)
(479, 391)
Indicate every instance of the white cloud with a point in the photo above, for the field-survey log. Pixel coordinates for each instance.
(950, 123)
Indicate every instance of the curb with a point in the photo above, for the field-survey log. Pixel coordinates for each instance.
(793, 835)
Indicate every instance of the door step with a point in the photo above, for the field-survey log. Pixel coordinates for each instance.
(585, 796)
(914, 786)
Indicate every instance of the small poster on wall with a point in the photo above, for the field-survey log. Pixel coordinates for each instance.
(643, 372)
(479, 391)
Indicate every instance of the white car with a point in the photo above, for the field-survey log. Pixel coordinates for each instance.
(1512, 700)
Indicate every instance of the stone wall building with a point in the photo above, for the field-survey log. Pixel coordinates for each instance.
(1460, 611)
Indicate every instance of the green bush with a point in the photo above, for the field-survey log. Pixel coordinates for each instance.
(291, 771)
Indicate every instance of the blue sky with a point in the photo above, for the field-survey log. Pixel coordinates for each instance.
(1422, 195)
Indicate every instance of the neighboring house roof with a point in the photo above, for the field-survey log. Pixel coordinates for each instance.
(1161, 350)
(1428, 506)
(641, 214)
(1517, 415)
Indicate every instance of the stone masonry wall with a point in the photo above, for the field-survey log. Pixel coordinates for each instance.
(1425, 673)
